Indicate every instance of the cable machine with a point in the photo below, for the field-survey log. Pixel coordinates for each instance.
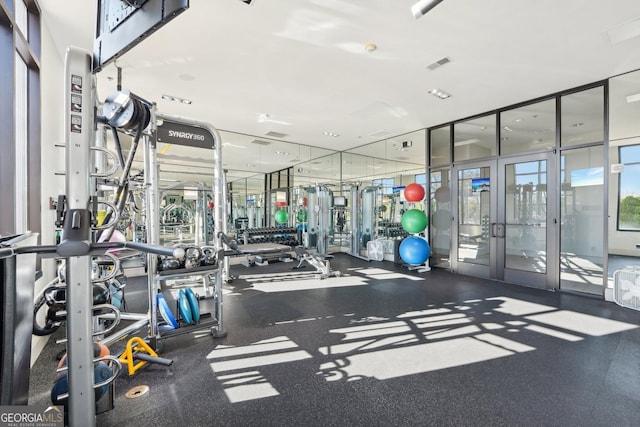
(319, 218)
(77, 216)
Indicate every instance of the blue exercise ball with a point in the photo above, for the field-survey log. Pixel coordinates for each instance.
(101, 372)
(414, 250)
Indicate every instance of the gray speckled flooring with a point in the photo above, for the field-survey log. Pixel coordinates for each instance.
(383, 346)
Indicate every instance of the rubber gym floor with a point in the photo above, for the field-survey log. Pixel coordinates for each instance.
(384, 346)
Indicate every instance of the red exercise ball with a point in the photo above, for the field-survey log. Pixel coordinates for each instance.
(414, 192)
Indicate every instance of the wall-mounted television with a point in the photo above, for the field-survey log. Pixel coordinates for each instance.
(340, 201)
(122, 24)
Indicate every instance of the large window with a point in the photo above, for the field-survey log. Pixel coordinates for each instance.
(629, 196)
(528, 128)
(582, 117)
(474, 138)
(386, 185)
(20, 116)
(440, 146)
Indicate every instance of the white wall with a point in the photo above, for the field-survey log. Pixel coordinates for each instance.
(52, 134)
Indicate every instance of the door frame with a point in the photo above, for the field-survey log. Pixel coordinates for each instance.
(522, 277)
(496, 269)
(477, 270)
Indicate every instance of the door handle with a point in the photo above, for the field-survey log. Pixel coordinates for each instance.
(497, 230)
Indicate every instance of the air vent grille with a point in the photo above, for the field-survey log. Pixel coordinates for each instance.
(380, 134)
(275, 134)
(438, 63)
(260, 142)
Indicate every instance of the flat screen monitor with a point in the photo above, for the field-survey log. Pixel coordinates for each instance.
(340, 201)
(123, 24)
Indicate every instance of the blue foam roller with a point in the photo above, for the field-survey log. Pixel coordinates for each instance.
(185, 309)
(165, 312)
(193, 304)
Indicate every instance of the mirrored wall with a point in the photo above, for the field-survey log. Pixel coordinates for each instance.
(299, 172)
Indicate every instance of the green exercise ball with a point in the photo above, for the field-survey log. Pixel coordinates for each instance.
(414, 221)
(281, 216)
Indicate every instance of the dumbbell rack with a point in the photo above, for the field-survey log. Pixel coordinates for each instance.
(280, 235)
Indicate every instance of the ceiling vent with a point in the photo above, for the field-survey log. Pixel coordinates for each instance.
(260, 142)
(380, 134)
(438, 63)
(275, 134)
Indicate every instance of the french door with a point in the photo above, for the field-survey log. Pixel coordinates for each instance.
(505, 224)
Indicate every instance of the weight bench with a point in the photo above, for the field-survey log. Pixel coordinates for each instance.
(322, 264)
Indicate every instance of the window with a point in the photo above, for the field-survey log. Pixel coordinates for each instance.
(440, 146)
(21, 147)
(20, 116)
(386, 184)
(528, 128)
(582, 117)
(629, 189)
(475, 138)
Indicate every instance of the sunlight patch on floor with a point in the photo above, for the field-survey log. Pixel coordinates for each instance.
(582, 323)
(412, 360)
(308, 284)
(516, 307)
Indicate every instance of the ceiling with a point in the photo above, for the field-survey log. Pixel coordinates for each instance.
(300, 68)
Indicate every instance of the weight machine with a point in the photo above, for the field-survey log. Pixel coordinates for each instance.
(77, 216)
(319, 219)
(363, 219)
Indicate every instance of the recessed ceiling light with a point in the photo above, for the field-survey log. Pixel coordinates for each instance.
(440, 93)
(283, 153)
(370, 47)
(331, 134)
(575, 125)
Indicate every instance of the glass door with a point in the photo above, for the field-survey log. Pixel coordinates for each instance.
(504, 227)
(473, 248)
(524, 228)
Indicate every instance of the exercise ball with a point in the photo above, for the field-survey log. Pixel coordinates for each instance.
(414, 221)
(116, 236)
(414, 250)
(281, 216)
(442, 195)
(281, 204)
(414, 192)
(99, 350)
(302, 216)
(441, 219)
(101, 372)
